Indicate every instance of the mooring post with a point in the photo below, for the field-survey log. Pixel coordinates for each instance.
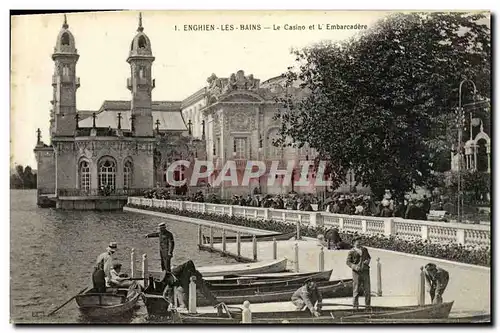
(211, 237)
(192, 295)
(379, 278)
(132, 263)
(298, 227)
(421, 287)
(321, 259)
(238, 243)
(200, 235)
(246, 315)
(254, 241)
(145, 274)
(275, 248)
(296, 248)
(223, 240)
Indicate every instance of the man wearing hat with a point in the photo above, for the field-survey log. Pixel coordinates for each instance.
(118, 279)
(166, 245)
(358, 259)
(437, 280)
(102, 270)
(307, 296)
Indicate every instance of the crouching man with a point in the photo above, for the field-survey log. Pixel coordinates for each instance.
(177, 285)
(437, 280)
(307, 296)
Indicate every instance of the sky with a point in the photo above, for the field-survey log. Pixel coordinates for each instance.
(184, 59)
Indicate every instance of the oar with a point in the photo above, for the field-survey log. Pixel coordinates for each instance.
(69, 300)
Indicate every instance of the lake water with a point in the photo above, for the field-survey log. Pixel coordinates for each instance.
(53, 252)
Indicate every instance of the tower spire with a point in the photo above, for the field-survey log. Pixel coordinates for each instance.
(140, 28)
(65, 24)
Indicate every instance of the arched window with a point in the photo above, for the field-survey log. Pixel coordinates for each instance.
(65, 70)
(107, 173)
(127, 175)
(84, 171)
(142, 42)
(65, 39)
(141, 72)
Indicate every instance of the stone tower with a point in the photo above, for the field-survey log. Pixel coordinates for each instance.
(140, 83)
(64, 83)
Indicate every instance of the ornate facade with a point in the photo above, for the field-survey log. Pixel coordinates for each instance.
(127, 146)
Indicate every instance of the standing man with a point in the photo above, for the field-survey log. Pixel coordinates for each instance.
(166, 245)
(307, 296)
(359, 261)
(102, 270)
(437, 280)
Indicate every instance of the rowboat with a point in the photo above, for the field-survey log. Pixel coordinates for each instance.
(268, 288)
(246, 238)
(256, 281)
(156, 304)
(432, 311)
(228, 279)
(114, 302)
(272, 266)
(375, 314)
(329, 289)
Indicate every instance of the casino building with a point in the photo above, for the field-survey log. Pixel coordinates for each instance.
(96, 158)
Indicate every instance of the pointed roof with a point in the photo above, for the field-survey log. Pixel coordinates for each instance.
(141, 45)
(65, 43)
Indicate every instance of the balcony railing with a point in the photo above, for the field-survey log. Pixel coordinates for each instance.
(100, 192)
(438, 232)
(100, 131)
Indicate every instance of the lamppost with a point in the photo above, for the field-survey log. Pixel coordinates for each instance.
(260, 158)
(461, 121)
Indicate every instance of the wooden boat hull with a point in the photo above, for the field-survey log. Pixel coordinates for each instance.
(272, 266)
(431, 311)
(347, 316)
(156, 305)
(106, 305)
(255, 281)
(259, 238)
(338, 289)
(270, 277)
(273, 288)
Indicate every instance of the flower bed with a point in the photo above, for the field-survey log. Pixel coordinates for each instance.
(454, 252)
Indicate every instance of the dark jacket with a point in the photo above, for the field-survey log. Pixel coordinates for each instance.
(356, 261)
(441, 278)
(167, 243)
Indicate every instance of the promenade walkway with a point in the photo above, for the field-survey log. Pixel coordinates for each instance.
(469, 285)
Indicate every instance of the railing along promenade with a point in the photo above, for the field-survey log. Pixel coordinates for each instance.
(436, 232)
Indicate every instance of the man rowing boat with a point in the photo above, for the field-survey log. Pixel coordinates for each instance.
(118, 279)
(308, 296)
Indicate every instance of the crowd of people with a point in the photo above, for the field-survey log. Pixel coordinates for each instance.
(348, 204)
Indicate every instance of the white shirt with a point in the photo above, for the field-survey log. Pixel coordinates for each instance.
(108, 260)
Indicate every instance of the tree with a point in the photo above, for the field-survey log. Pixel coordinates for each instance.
(23, 178)
(381, 104)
